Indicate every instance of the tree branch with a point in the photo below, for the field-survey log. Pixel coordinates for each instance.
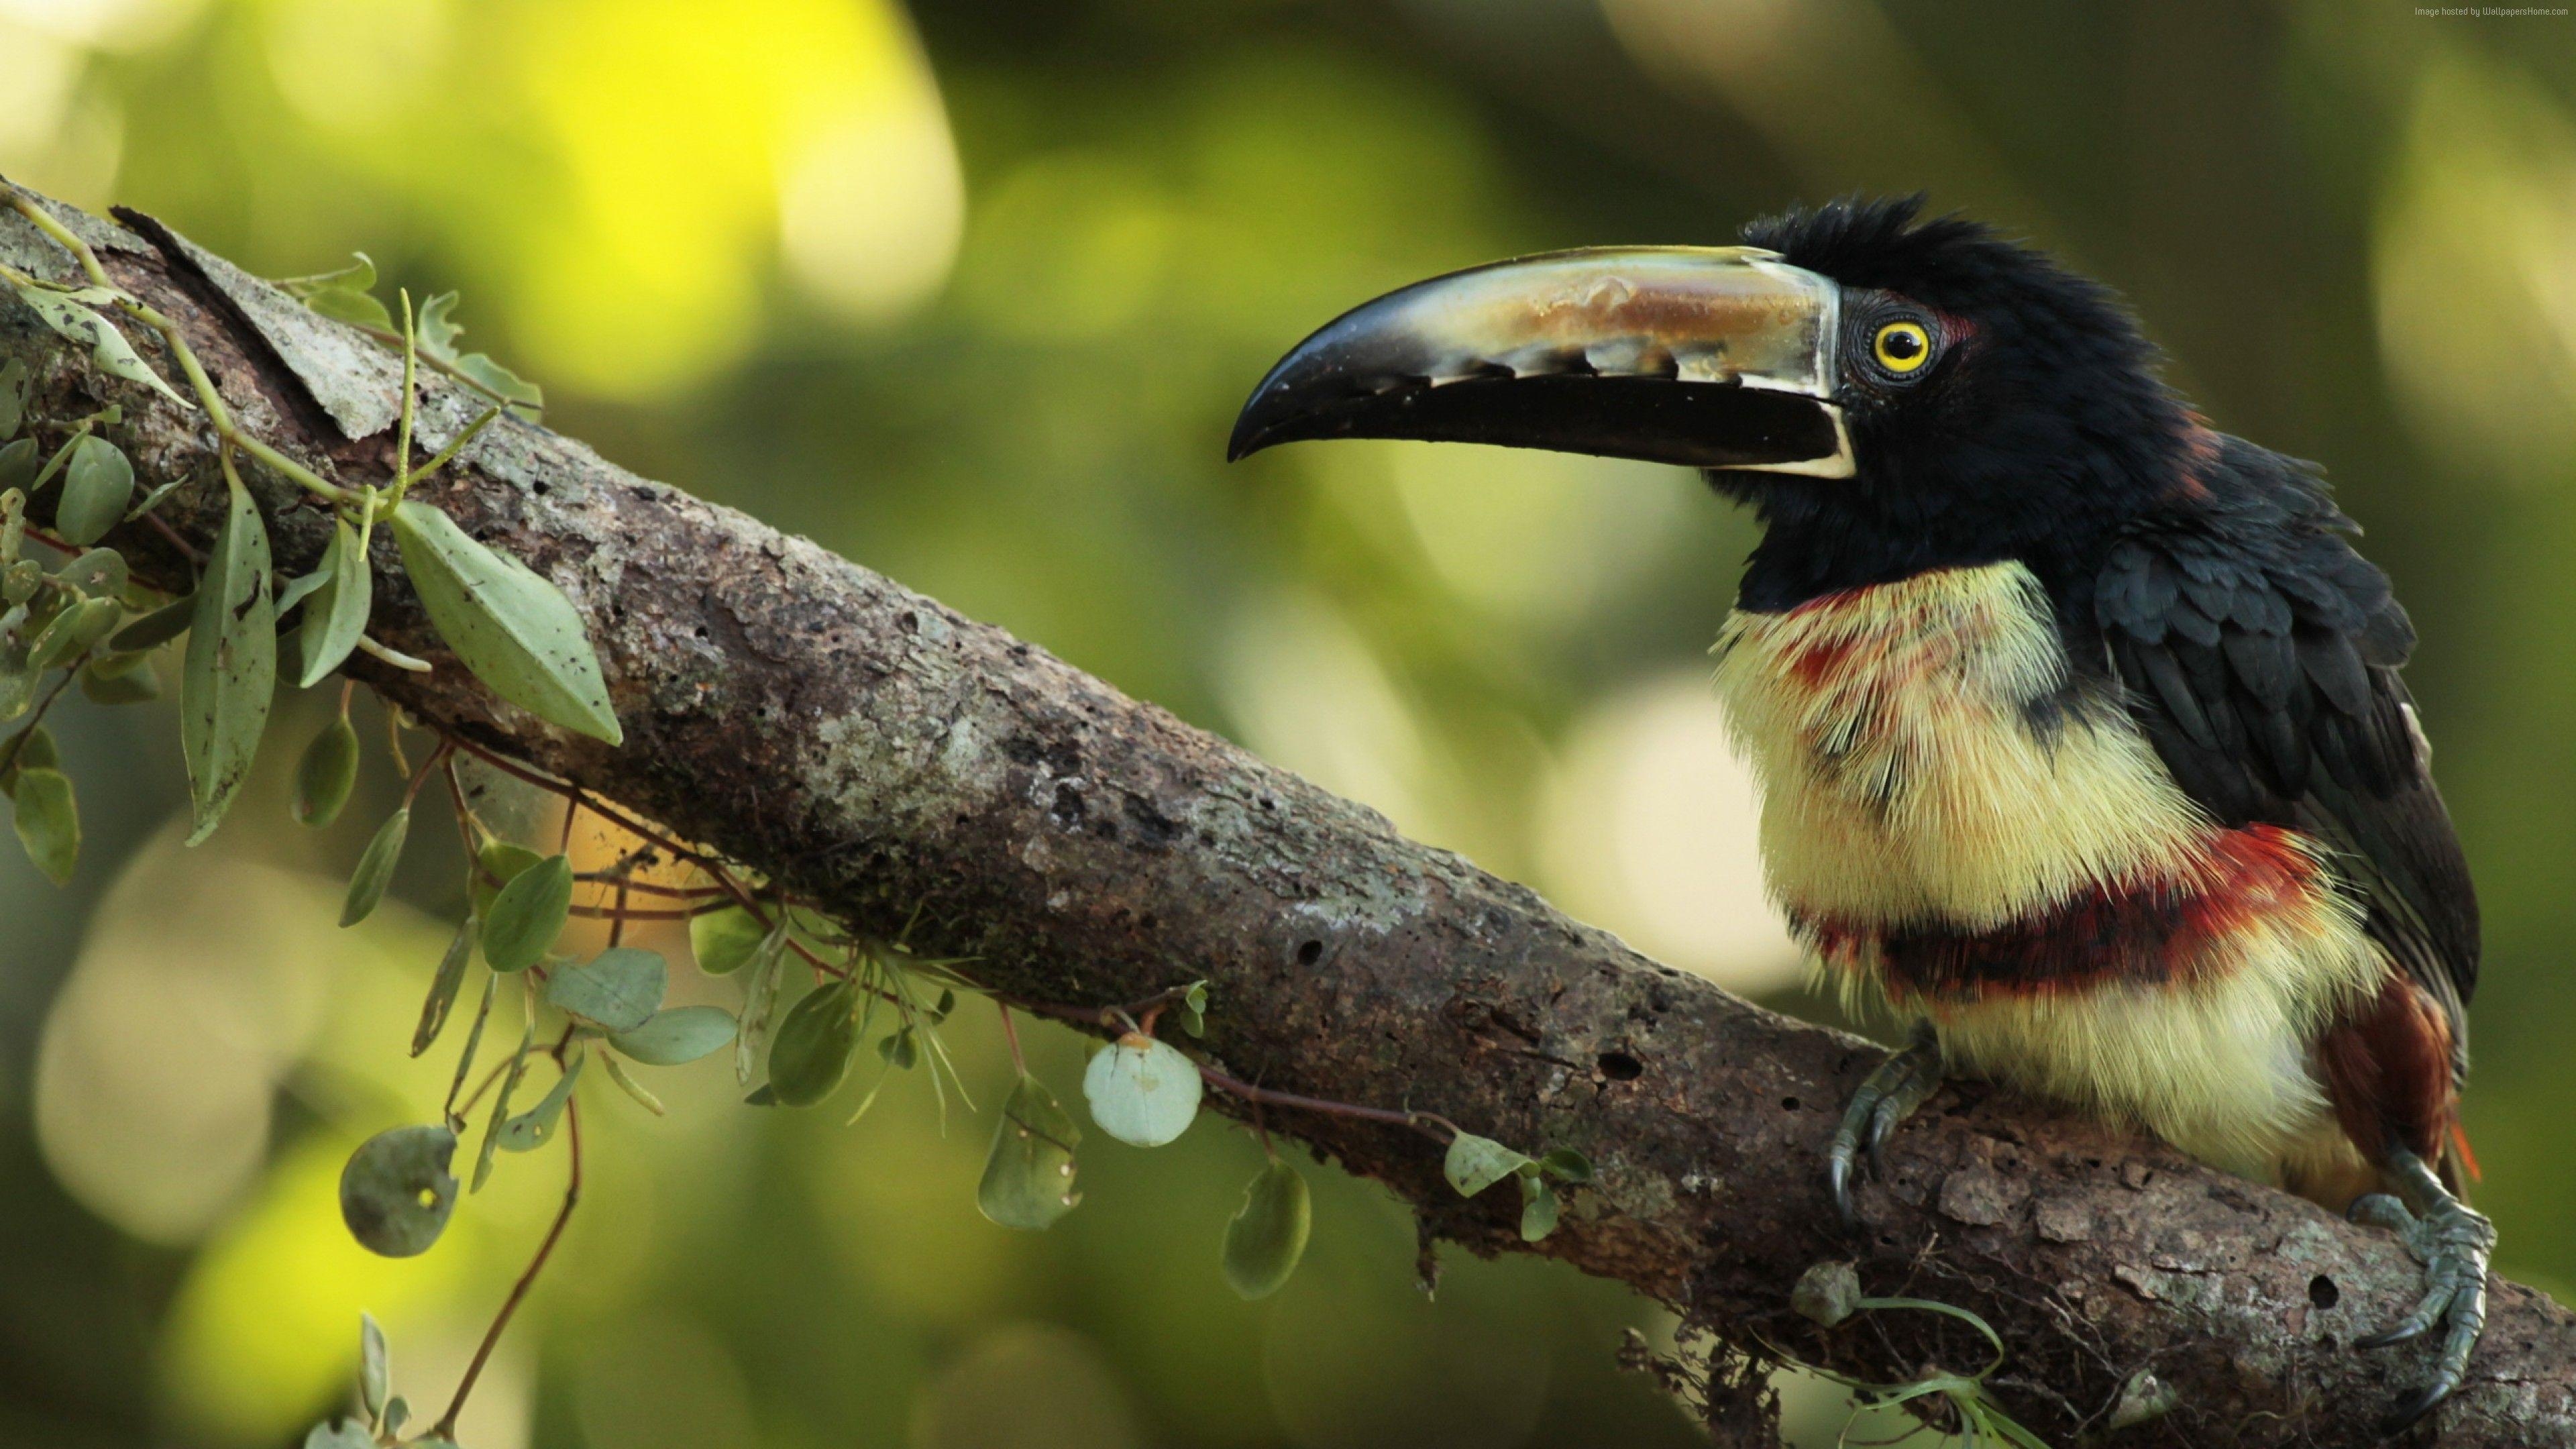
(879, 754)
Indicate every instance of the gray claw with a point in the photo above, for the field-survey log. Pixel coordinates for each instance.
(1887, 1096)
(2454, 1243)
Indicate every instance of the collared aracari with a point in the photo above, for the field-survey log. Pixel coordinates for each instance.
(2079, 724)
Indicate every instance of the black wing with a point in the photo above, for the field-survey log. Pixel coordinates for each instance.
(2260, 654)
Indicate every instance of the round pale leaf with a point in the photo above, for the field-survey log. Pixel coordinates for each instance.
(681, 1034)
(617, 991)
(1142, 1092)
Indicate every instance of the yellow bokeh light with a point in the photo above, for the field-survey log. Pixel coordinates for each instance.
(161, 1053)
(1651, 829)
(627, 177)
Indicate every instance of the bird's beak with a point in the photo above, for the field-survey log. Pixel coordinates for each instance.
(1711, 357)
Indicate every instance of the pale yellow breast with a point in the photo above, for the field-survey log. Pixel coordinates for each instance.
(1902, 784)
(1900, 779)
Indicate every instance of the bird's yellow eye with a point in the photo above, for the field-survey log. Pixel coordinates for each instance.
(1902, 347)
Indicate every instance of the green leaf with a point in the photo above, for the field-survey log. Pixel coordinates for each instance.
(497, 864)
(99, 573)
(1475, 1163)
(337, 613)
(326, 774)
(1827, 1293)
(1539, 1208)
(347, 304)
(1028, 1176)
(1141, 1091)
(437, 329)
(375, 868)
(815, 1042)
(74, 632)
(19, 581)
(527, 400)
(358, 276)
(396, 1193)
(107, 346)
(631, 1087)
(1266, 1238)
(158, 627)
(397, 1414)
(617, 992)
(18, 462)
(1193, 1011)
(48, 821)
(535, 1127)
(120, 679)
(375, 1373)
(511, 626)
(444, 986)
(759, 1000)
(232, 664)
(725, 940)
(501, 1102)
(97, 487)
(528, 915)
(298, 589)
(1567, 1166)
(899, 1051)
(473, 1040)
(17, 678)
(341, 1434)
(13, 397)
(680, 1034)
(29, 749)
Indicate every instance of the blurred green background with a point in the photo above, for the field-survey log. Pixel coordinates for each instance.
(969, 293)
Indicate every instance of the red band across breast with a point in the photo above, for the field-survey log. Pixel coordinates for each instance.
(2168, 928)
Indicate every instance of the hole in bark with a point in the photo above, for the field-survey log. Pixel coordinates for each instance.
(1788, 1104)
(2323, 1292)
(1621, 1067)
(1310, 952)
(910, 623)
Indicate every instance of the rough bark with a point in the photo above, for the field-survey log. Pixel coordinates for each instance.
(879, 753)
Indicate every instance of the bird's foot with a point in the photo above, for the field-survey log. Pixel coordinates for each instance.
(1887, 1096)
(2453, 1242)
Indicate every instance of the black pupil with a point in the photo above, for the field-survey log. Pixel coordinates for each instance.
(1904, 344)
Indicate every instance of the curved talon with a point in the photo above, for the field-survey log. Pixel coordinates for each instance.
(2381, 1210)
(2454, 1243)
(1887, 1096)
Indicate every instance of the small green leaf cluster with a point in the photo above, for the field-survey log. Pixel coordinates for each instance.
(348, 295)
(508, 625)
(862, 984)
(1475, 1163)
(1829, 1295)
(64, 616)
(382, 1412)
(398, 1189)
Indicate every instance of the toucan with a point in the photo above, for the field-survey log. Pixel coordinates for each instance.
(2078, 723)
